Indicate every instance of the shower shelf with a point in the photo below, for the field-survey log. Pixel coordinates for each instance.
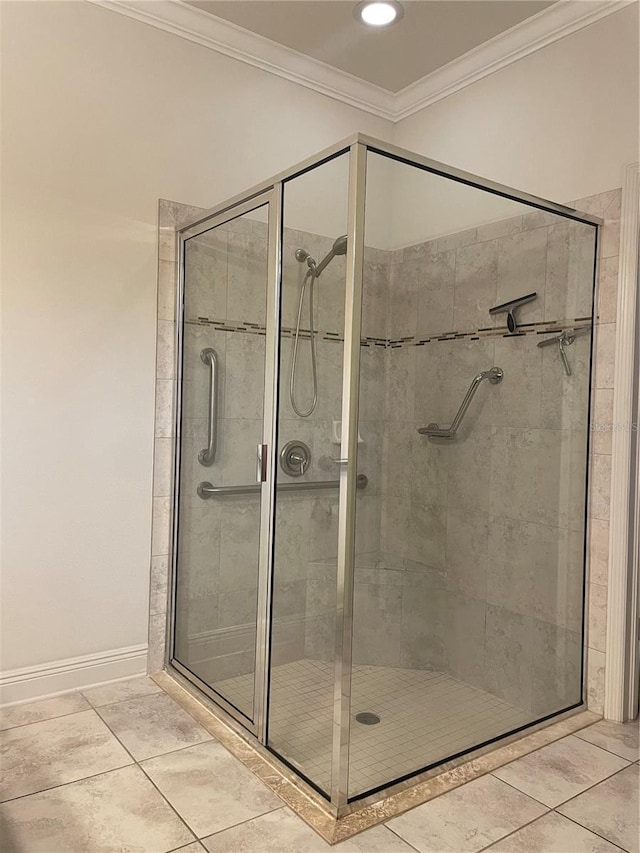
(206, 490)
(494, 375)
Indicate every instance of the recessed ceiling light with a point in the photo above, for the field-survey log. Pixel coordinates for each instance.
(378, 14)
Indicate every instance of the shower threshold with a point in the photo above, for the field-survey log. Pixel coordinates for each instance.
(389, 801)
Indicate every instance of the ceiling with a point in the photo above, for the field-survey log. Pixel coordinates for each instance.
(431, 34)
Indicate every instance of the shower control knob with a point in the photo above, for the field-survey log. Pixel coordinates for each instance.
(295, 458)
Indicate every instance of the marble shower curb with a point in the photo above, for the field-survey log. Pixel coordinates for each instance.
(380, 807)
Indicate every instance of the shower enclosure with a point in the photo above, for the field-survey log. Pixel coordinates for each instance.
(379, 542)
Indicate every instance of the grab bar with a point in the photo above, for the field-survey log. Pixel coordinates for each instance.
(206, 490)
(207, 456)
(494, 375)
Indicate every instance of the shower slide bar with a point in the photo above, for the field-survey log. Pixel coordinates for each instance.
(494, 375)
(206, 490)
(207, 456)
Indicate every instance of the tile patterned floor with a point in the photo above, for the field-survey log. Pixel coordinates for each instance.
(124, 768)
(435, 711)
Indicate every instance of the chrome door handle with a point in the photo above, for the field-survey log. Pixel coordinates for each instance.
(261, 463)
(207, 456)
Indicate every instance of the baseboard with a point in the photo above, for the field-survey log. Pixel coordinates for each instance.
(60, 676)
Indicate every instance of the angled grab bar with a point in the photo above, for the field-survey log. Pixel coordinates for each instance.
(494, 375)
(206, 490)
(207, 456)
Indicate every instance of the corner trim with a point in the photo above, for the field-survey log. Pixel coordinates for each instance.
(50, 679)
(622, 615)
(197, 26)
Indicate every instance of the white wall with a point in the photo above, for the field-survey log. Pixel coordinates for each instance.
(102, 116)
(561, 123)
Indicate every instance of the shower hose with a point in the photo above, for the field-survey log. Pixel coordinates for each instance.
(308, 280)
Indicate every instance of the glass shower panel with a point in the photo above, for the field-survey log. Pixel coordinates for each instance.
(307, 496)
(225, 286)
(469, 569)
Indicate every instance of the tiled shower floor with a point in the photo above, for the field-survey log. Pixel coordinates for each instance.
(425, 717)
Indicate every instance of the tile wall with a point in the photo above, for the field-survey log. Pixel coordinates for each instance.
(499, 511)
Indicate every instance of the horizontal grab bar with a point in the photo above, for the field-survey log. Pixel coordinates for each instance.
(206, 490)
(494, 375)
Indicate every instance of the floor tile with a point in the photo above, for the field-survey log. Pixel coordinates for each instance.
(553, 834)
(620, 738)
(467, 819)
(118, 811)
(120, 691)
(209, 788)
(561, 770)
(55, 752)
(282, 832)
(195, 847)
(45, 709)
(152, 725)
(611, 809)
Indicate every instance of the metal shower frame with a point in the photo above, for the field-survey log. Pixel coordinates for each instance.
(271, 193)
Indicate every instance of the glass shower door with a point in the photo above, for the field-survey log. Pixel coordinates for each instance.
(468, 611)
(219, 495)
(307, 502)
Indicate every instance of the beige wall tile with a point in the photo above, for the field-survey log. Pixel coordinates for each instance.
(164, 427)
(602, 421)
(167, 288)
(595, 681)
(158, 586)
(597, 629)
(600, 487)
(605, 355)
(608, 289)
(162, 467)
(598, 551)
(160, 526)
(165, 350)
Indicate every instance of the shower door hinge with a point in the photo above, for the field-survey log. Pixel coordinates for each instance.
(261, 467)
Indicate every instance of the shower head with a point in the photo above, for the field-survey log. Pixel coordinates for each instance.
(339, 248)
(302, 255)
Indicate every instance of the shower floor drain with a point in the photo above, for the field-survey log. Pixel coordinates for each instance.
(367, 718)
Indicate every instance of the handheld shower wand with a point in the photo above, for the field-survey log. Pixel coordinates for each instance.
(314, 271)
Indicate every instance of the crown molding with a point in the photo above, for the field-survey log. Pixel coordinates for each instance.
(199, 27)
(533, 34)
(552, 24)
